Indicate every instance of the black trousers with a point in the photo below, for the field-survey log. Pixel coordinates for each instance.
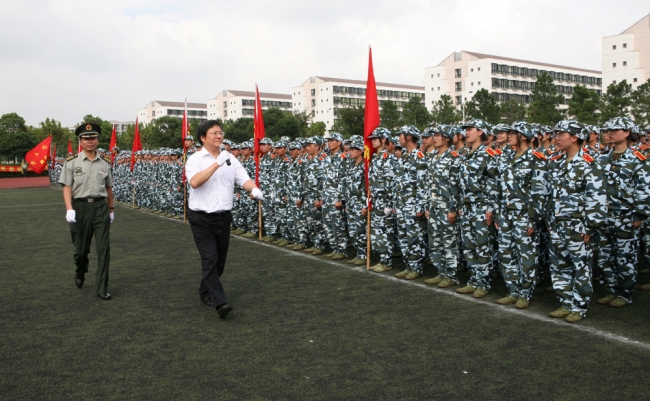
(211, 233)
(92, 220)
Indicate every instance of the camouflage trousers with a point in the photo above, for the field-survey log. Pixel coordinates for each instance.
(382, 235)
(281, 216)
(411, 231)
(518, 253)
(268, 216)
(476, 244)
(570, 259)
(251, 213)
(357, 230)
(314, 220)
(443, 243)
(542, 250)
(334, 224)
(238, 217)
(296, 224)
(617, 255)
(645, 237)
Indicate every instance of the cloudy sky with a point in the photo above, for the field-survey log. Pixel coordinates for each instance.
(64, 59)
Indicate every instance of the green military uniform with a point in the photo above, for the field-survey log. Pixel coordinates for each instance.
(89, 180)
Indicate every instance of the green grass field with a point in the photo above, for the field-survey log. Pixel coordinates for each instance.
(303, 328)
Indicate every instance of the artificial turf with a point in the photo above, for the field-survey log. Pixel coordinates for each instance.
(302, 328)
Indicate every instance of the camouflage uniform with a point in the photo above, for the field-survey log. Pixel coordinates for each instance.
(312, 189)
(295, 177)
(577, 207)
(266, 185)
(333, 218)
(281, 167)
(355, 200)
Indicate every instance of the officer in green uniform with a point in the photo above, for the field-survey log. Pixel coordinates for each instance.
(88, 196)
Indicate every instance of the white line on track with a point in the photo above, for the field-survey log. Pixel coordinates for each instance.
(35, 204)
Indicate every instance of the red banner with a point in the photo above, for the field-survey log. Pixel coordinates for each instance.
(370, 120)
(37, 157)
(137, 144)
(258, 128)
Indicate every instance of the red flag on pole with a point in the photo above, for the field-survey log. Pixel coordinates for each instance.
(78, 145)
(70, 146)
(137, 145)
(113, 144)
(370, 119)
(186, 128)
(258, 124)
(37, 157)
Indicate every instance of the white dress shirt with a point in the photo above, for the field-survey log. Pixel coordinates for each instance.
(216, 194)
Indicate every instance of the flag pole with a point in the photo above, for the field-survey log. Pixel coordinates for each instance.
(368, 235)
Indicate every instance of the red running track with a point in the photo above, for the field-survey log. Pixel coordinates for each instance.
(24, 182)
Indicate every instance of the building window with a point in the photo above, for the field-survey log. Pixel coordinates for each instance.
(472, 83)
(614, 47)
(438, 75)
(624, 63)
(438, 88)
(624, 45)
(614, 82)
(479, 68)
(431, 89)
(313, 92)
(431, 75)
(479, 83)
(458, 70)
(313, 113)
(472, 70)
(614, 65)
(458, 99)
(635, 79)
(459, 86)
(313, 102)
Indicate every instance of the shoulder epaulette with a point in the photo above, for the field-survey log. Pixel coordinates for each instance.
(585, 149)
(454, 153)
(643, 146)
(490, 152)
(588, 158)
(71, 157)
(499, 151)
(385, 155)
(107, 159)
(539, 155)
(323, 154)
(321, 158)
(272, 156)
(639, 155)
(286, 159)
(556, 156)
(420, 155)
(299, 161)
(343, 156)
(549, 151)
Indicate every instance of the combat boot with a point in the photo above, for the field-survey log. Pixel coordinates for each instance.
(645, 287)
(317, 251)
(298, 247)
(239, 232)
(277, 241)
(268, 238)
(338, 256)
(435, 280)
(412, 276)
(284, 242)
(468, 289)
(249, 235)
(352, 261)
(446, 283)
(232, 228)
(377, 267)
(480, 292)
(309, 250)
(619, 302)
(330, 255)
(574, 317)
(522, 303)
(509, 300)
(645, 271)
(403, 273)
(360, 262)
(560, 312)
(606, 300)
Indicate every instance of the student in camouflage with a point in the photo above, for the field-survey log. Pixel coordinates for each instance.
(442, 207)
(332, 199)
(312, 189)
(409, 199)
(281, 166)
(295, 177)
(628, 190)
(522, 190)
(355, 202)
(266, 186)
(249, 205)
(577, 208)
(478, 170)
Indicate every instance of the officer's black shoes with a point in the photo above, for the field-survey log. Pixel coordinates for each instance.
(105, 297)
(207, 301)
(79, 279)
(223, 310)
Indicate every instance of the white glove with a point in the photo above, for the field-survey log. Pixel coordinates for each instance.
(112, 215)
(388, 211)
(70, 216)
(257, 194)
(223, 156)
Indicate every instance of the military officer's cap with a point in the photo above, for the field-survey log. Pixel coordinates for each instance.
(295, 145)
(616, 123)
(335, 136)
(523, 128)
(189, 137)
(116, 148)
(266, 141)
(476, 123)
(88, 130)
(410, 130)
(573, 127)
(379, 132)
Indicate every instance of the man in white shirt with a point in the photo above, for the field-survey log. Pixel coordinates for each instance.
(212, 174)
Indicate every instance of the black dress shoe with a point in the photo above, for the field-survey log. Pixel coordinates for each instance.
(105, 297)
(207, 301)
(223, 310)
(79, 279)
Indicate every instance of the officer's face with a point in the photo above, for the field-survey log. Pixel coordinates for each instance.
(265, 147)
(281, 151)
(402, 139)
(189, 143)
(89, 144)
(437, 140)
(245, 152)
(355, 153)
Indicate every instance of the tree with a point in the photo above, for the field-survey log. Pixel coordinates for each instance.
(349, 121)
(544, 107)
(11, 123)
(512, 111)
(287, 126)
(15, 146)
(616, 101)
(165, 131)
(239, 130)
(317, 129)
(125, 141)
(584, 104)
(641, 105)
(390, 115)
(415, 113)
(444, 111)
(303, 122)
(483, 106)
(52, 127)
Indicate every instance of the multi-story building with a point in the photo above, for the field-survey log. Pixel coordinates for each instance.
(627, 56)
(232, 104)
(464, 73)
(160, 108)
(322, 97)
(121, 126)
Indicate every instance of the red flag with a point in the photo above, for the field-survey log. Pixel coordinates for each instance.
(78, 145)
(258, 124)
(370, 120)
(70, 146)
(137, 144)
(37, 157)
(112, 144)
(186, 128)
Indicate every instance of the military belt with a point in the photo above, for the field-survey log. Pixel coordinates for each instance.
(89, 199)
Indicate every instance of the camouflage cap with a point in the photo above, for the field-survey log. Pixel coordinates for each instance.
(357, 145)
(309, 141)
(234, 146)
(446, 131)
(535, 128)
(476, 123)
(523, 128)
(490, 129)
(502, 128)
(380, 132)
(616, 123)
(429, 131)
(266, 141)
(246, 145)
(573, 127)
(410, 130)
(285, 138)
(594, 128)
(395, 140)
(280, 144)
(188, 137)
(647, 129)
(295, 145)
(335, 136)
(227, 142)
(354, 138)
